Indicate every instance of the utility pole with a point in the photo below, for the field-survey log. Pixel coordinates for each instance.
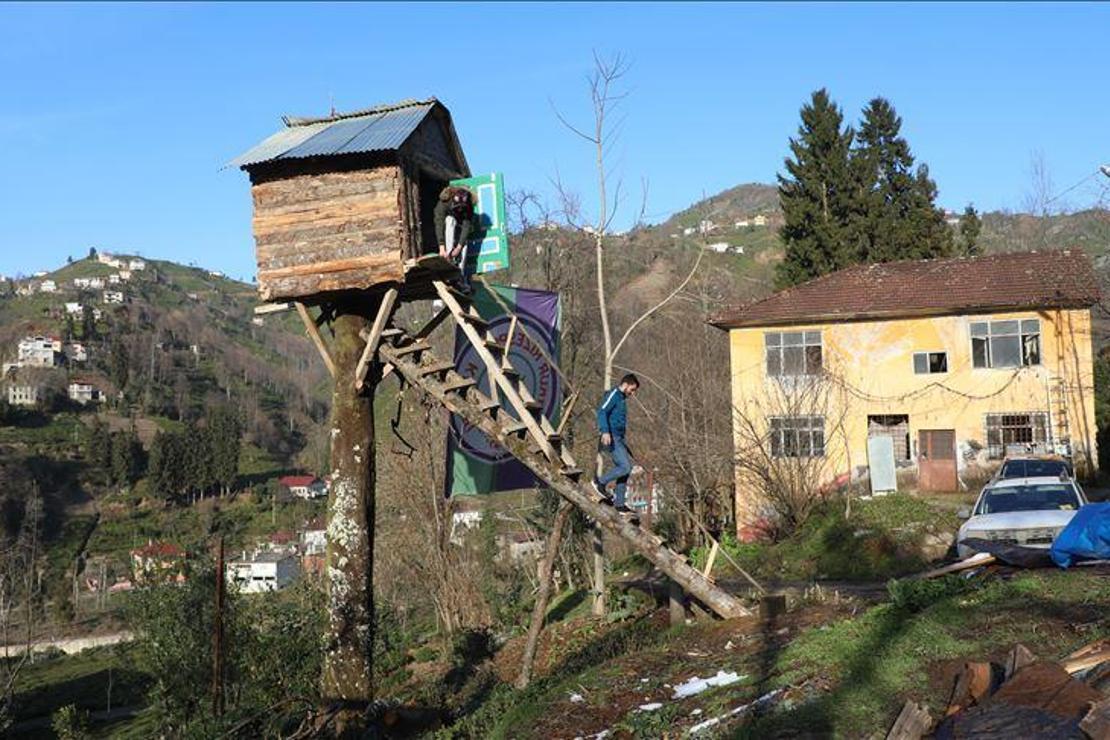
(218, 635)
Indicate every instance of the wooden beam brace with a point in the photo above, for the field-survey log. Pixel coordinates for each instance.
(314, 333)
(708, 572)
(385, 311)
(269, 308)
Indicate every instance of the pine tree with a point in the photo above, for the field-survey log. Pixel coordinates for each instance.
(98, 447)
(226, 433)
(969, 229)
(899, 213)
(126, 454)
(819, 195)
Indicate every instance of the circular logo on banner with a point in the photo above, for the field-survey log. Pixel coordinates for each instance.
(535, 373)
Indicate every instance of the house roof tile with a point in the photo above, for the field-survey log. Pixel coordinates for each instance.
(998, 282)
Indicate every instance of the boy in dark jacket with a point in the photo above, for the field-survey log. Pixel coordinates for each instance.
(612, 423)
(454, 217)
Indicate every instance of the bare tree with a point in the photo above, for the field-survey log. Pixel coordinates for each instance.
(605, 97)
(787, 442)
(20, 589)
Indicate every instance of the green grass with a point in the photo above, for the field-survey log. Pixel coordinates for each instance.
(881, 657)
(82, 679)
(58, 429)
(881, 539)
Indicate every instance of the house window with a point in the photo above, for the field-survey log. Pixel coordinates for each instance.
(1010, 343)
(930, 363)
(1026, 431)
(793, 353)
(798, 436)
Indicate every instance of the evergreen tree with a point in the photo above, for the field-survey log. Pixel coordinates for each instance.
(899, 214)
(226, 435)
(970, 226)
(120, 363)
(196, 466)
(98, 447)
(126, 458)
(165, 469)
(88, 325)
(819, 195)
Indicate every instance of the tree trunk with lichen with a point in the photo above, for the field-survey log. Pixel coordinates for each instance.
(350, 531)
(543, 598)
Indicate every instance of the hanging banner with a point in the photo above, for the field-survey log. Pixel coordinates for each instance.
(489, 249)
(476, 463)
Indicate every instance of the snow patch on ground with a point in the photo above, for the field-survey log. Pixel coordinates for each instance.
(576, 698)
(738, 712)
(651, 707)
(697, 685)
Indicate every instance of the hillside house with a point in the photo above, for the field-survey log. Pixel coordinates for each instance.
(109, 259)
(90, 283)
(718, 247)
(759, 220)
(136, 265)
(314, 545)
(462, 522)
(345, 202)
(113, 297)
(76, 352)
(84, 393)
(742, 224)
(304, 486)
(959, 361)
(264, 571)
(74, 309)
(158, 562)
(23, 394)
(124, 275)
(40, 351)
(48, 286)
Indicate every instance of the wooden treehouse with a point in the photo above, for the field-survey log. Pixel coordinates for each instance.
(343, 211)
(345, 203)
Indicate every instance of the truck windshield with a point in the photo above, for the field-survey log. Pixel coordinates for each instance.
(1044, 497)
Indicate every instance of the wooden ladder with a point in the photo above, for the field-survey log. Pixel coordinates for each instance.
(513, 417)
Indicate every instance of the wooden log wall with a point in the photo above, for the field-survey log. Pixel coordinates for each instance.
(329, 231)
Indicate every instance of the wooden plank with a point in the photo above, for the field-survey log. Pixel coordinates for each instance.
(385, 311)
(359, 263)
(913, 723)
(1096, 724)
(674, 565)
(322, 186)
(269, 308)
(361, 206)
(304, 286)
(314, 334)
(711, 559)
(976, 560)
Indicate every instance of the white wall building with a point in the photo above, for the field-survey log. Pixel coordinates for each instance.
(108, 259)
(23, 395)
(136, 264)
(719, 247)
(113, 296)
(263, 571)
(40, 352)
(48, 286)
(75, 309)
(84, 393)
(77, 352)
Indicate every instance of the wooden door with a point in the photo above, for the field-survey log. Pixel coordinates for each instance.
(936, 460)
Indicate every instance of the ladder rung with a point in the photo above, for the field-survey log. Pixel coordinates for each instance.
(572, 473)
(533, 405)
(459, 383)
(435, 368)
(513, 427)
(392, 332)
(475, 319)
(420, 346)
(555, 438)
(485, 403)
(510, 371)
(495, 346)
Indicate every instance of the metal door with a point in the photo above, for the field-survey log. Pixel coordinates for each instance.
(936, 460)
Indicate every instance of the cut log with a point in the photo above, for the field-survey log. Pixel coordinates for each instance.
(973, 685)
(1096, 725)
(1087, 656)
(1018, 657)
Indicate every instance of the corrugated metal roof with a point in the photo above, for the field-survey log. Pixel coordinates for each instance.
(382, 128)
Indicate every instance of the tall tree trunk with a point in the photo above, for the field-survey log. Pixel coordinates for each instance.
(539, 611)
(350, 554)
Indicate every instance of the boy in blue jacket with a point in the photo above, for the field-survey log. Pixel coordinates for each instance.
(612, 423)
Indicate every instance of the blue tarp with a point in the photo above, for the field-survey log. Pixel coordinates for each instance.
(1087, 536)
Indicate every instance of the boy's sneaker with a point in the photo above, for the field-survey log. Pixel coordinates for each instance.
(628, 513)
(600, 491)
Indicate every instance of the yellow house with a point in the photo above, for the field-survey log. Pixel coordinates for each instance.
(959, 361)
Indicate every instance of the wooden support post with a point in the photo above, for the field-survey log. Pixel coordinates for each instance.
(350, 534)
(708, 572)
(676, 600)
(385, 310)
(598, 607)
(543, 597)
(314, 334)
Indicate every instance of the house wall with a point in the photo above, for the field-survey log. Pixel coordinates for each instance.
(325, 231)
(870, 372)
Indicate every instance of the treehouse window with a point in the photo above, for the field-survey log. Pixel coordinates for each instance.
(793, 353)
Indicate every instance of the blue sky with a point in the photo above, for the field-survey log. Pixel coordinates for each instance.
(116, 118)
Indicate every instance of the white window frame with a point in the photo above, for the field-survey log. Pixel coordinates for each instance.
(816, 424)
(1022, 333)
(913, 361)
(806, 342)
